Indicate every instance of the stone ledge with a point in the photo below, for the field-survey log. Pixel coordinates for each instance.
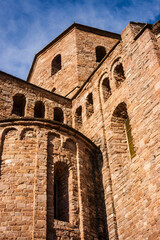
(47, 123)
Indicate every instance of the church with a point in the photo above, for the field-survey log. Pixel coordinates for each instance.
(79, 140)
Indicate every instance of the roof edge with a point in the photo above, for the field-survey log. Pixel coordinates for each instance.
(33, 85)
(147, 25)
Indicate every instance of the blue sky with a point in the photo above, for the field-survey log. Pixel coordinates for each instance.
(26, 26)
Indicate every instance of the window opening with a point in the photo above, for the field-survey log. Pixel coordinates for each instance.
(58, 115)
(119, 74)
(78, 117)
(39, 109)
(106, 89)
(56, 64)
(100, 53)
(19, 103)
(89, 105)
(122, 117)
(61, 192)
(53, 90)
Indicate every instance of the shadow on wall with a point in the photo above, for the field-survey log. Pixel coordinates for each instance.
(99, 197)
(62, 199)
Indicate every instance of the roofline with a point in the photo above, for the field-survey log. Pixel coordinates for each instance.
(147, 25)
(80, 27)
(35, 86)
(142, 23)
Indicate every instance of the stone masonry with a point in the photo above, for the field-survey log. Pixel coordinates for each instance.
(79, 140)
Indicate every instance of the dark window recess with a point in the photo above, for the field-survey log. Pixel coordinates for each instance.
(121, 111)
(39, 109)
(53, 90)
(119, 74)
(89, 105)
(100, 53)
(56, 64)
(58, 115)
(78, 117)
(106, 89)
(19, 103)
(61, 192)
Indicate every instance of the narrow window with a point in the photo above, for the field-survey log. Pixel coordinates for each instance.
(78, 117)
(61, 192)
(58, 115)
(130, 139)
(89, 105)
(100, 53)
(119, 74)
(53, 90)
(56, 64)
(19, 103)
(106, 89)
(124, 128)
(39, 109)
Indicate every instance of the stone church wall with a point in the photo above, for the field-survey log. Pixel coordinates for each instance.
(129, 180)
(87, 167)
(34, 157)
(10, 86)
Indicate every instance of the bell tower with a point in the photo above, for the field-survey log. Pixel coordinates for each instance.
(66, 62)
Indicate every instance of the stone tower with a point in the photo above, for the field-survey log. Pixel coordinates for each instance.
(79, 140)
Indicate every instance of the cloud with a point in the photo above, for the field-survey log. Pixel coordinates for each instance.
(27, 26)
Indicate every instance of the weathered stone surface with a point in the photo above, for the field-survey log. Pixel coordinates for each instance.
(69, 173)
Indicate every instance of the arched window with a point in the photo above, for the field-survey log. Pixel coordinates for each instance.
(120, 116)
(39, 109)
(58, 115)
(61, 192)
(118, 73)
(78, 117)
(19, 102)
(100, 53)
(53, 89)
(89, 105)
(106, 89)
(56, 64)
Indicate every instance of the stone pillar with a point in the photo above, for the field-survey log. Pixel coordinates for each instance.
(40, 191)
